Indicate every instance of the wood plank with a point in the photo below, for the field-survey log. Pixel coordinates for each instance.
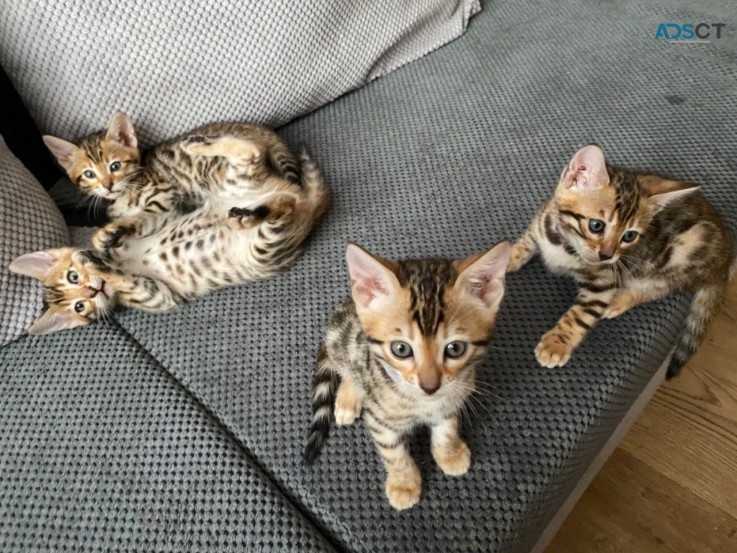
(672, 484)
(638, 510)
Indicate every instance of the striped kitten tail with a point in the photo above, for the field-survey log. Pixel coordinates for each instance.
(705, 304)
(313, 183)
(324, 388)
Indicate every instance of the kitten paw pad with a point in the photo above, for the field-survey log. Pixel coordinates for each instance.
(110, 237)
(404, 490)
(552, 351)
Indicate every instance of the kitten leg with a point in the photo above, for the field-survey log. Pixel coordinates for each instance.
(280, 207)
(239, 152)
(347, 403)
(113, 234)
(139, 292)
(403, 479)
(556, 346)
(448, 449)
(623, 301)
(522, 250)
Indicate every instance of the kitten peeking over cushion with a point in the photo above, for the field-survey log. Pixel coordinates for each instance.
(402, 352)
(626, 237)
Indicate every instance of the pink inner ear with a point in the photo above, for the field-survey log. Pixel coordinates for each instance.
(587, 169)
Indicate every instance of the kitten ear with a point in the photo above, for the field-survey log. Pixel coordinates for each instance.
(54, 320)
(63, 150)
(586, 170)
(121, 130)
(372, 278)
(659, 201)
(37, 264)
(482, 276)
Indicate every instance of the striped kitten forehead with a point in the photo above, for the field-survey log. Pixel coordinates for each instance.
(427, 282)
(626, 193)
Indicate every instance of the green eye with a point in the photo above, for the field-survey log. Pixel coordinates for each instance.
(79, 306)
(596, 226)
(73, 277)
(89, 174)
(456, 349)
(115, 166)
(401, 350)
(630, 236)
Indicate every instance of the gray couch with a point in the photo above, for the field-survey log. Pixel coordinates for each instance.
(184, 431)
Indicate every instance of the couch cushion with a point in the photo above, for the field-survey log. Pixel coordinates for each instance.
(29, 221)
(446, 157)
(102, 450)
(177, 65)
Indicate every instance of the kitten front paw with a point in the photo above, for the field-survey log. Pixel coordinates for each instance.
(453, 459)
(403, 488)
(91, 263)
(111, 236)
(347, 410)
(623, 301)
(553, 350)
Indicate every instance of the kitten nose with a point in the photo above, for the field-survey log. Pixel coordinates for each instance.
(603, 256)
(430, 389)
(108, 184)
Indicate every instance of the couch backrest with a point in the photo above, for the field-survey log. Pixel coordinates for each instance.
(175, 65)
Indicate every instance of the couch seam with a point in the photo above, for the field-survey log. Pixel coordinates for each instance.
(316, 521)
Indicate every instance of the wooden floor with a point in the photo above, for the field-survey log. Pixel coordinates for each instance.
(671, 485)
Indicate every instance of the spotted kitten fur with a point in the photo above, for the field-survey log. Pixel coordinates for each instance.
(108, 165)
(402, 351)
(627, 238)
(248, 228)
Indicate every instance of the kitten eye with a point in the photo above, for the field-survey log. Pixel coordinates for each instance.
(73, 276)
(401, 350)
(596, 226)
(630, 236)
(115, 166)
(89, 174)
(79, 306)
(456, 349)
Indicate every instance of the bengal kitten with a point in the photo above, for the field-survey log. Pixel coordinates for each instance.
(175, 257)
(626, 237)
(402, 351)
(108, 165)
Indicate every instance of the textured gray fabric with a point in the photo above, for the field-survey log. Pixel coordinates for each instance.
(173, 65)
(106, 452)
(445, 157)
(29, 221)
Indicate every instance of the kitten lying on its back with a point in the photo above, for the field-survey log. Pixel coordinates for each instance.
(108, 165)
(627, 238)
(402, 351)
(247, 229)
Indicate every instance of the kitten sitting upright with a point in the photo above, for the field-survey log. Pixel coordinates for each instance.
(402, 351)
(627, 238)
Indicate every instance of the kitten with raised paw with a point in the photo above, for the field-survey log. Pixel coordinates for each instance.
(215, 158)
(627, 237)
(156, 263)
(401, 352)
